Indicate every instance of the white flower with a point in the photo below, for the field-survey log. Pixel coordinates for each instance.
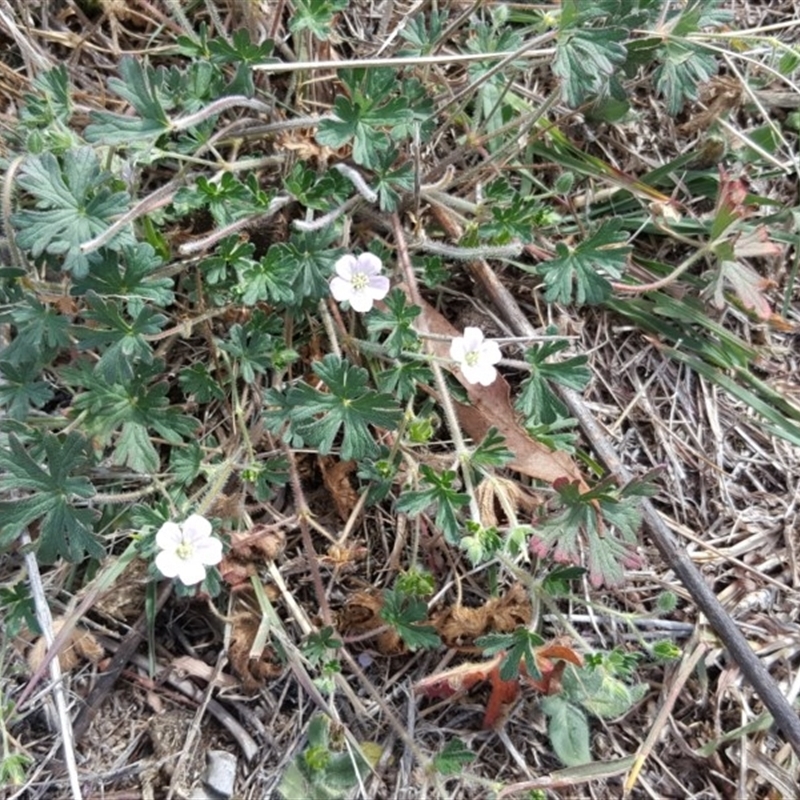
(186, 549)
(475, 356)
(359, 280)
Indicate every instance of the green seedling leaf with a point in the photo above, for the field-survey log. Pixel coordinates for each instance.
(398, 319)
(47, 483)
(568, 730)
(587, 57)
(557, 581)
(250, 350)
(404, 613)
(391, 179)
(40, 331)
(128, 276)
(365, 117)
(536, 400)
(491, 452)
(323, 771)
(127, 412)
(239, 50)
(453, 758)
(316, 16)
(519, 648)
(74, 203)
(198, 383)
(599, 525)
(684, 67)
(584, 267)
(441, 494)
(317, 646)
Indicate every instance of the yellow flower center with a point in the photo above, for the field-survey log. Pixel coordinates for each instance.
(359, 282)
(184, 550)
(471, 359)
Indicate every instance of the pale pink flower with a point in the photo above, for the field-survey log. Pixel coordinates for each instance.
(187, 549)
(476, 356)
(359, 281)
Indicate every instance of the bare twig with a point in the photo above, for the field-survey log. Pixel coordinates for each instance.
(45, 620)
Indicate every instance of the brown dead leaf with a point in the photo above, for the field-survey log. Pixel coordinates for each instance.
(305, 146)
(126, 599)
(254, 671)
(250, 549)
(80, 645)
(459, 626)
(336, 477)
(261, 543)
(343, 557)
(490, 406)
(361, 615)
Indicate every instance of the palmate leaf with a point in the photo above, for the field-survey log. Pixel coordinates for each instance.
(588, 57)
(46, 487)
(576, 532)
(582, 266)
(453, 758)
(366, 115)
(405, 613)
(141, 86)
(684, 68)
(21, 388)
(129, 276)
(316, 16)
(537, 400)
(122, 342)
(74, 203)
(441, 493)
(40, 330)
(349, 406)
(125, 413)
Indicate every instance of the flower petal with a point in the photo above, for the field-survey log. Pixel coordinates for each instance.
(196, 528)
(191, 572)
(484, 374)
(488, 375)
(370, 264)
(341, 289)
(169, 536)
(379, 286)
(361, 301)
(473, 338)
(458, 350)
(344, 266)
(209, 551)
(490, 352)
(168, 564)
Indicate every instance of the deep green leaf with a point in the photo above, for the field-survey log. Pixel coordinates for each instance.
(74, 203)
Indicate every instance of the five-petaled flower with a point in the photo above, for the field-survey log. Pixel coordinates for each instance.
(476, 356)
(187, 549)
(359, 281)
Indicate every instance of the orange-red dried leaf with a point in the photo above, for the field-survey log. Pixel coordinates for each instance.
(458, 679)
(503, 694)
